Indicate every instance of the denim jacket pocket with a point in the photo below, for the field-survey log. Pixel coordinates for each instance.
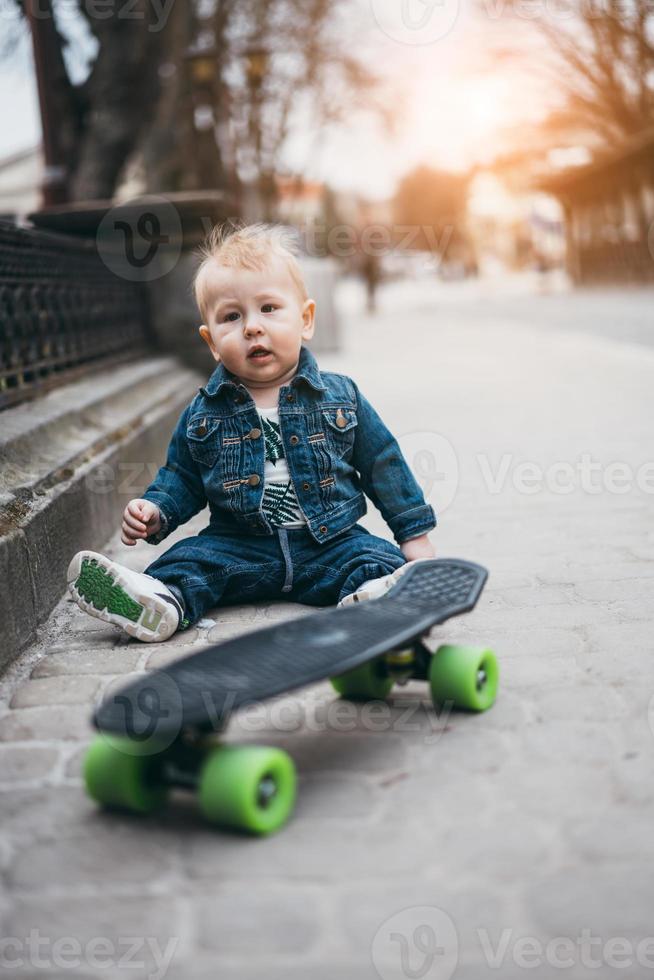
(341, 428)
(203, 437)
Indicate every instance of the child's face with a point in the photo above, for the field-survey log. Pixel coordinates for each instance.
(249, 308)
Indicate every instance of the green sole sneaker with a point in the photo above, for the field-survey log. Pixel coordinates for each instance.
(140, 604)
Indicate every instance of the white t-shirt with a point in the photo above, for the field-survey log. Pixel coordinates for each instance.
(280, 504)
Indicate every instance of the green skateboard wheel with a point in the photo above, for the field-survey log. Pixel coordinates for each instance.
(369, 682)
(115, 776)
(247, 787)
(466, 676)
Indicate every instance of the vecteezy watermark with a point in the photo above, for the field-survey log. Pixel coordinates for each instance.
(416, 22)
(155, 12)
(421, 943)
(404, 715)
(140, 240)
(344, 240)
(434, 463)
(418, 943)
(149, 715)
(143, 953)
(586, 949)
(563, 477)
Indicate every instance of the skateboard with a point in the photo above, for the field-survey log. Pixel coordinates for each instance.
(163, 730)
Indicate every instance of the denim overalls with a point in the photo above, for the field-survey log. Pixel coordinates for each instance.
(337, 448)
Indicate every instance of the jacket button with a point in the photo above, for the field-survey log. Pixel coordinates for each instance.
(201, 430)
(254, 480)
(323, 529)
(341, 422)
(294, 440)
(290, 398)
(253, 434)
(306, 486)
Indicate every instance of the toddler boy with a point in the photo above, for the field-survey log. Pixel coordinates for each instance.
(281, 451)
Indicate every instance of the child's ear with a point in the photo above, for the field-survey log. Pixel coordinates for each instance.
(205, 333)
(308, 319)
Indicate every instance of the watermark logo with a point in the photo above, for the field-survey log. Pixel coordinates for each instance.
(419, 943)
(416, 22)
(140, 241)
(150, 715)
(145, 955)
(434, 464)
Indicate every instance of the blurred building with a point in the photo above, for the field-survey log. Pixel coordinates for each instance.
(512, 226)
(299, 201)
(609, 212)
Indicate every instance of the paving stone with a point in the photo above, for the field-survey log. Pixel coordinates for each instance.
(603, 837)
(161, 658)
(279, 920)
(275, 612)
(294, 854)
(613, 591)
(537, 794)
(18, 763)
(574, 898)
(58, 662)
(534, 672)
(549, 741)
(69, 813)
(178, 641)
(113, 855)
(610, 572)
(332, 969)
(633, 778)
(65, 689)
(342, 752)
(75, 763)
(63, 643)
(115, 933)
(546, 642)
(361, 914)
(56, 722)
(617, 644)
(82, 624)
(326, 796)
(586, 703)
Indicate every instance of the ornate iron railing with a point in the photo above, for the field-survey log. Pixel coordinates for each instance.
(63, 313)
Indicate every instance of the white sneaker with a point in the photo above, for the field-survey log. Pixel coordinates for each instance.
(142, 605)
(374, 588)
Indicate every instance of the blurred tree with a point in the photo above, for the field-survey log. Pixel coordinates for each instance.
(432, 204)
(203, 93)
(603, 52)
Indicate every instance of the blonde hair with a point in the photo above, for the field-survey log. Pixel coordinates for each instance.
(239, 246)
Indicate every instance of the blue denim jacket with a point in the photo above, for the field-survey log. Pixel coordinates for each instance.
(337, 449)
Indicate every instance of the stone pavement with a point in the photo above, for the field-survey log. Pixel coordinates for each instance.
(515, 843)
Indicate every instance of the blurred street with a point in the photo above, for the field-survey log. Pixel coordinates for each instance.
(526, 416)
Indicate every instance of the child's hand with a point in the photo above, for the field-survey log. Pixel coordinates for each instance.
(418, 548)
(140, 519)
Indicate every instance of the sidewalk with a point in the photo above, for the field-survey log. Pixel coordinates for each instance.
(532, 821)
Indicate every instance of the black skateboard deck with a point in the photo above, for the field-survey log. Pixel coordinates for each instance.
(200, 691)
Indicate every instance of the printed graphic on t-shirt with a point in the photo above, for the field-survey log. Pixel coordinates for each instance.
(279, 504)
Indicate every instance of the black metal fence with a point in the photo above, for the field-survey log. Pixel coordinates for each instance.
(63, 313)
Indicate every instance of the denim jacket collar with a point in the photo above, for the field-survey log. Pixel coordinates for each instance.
(307, 369)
